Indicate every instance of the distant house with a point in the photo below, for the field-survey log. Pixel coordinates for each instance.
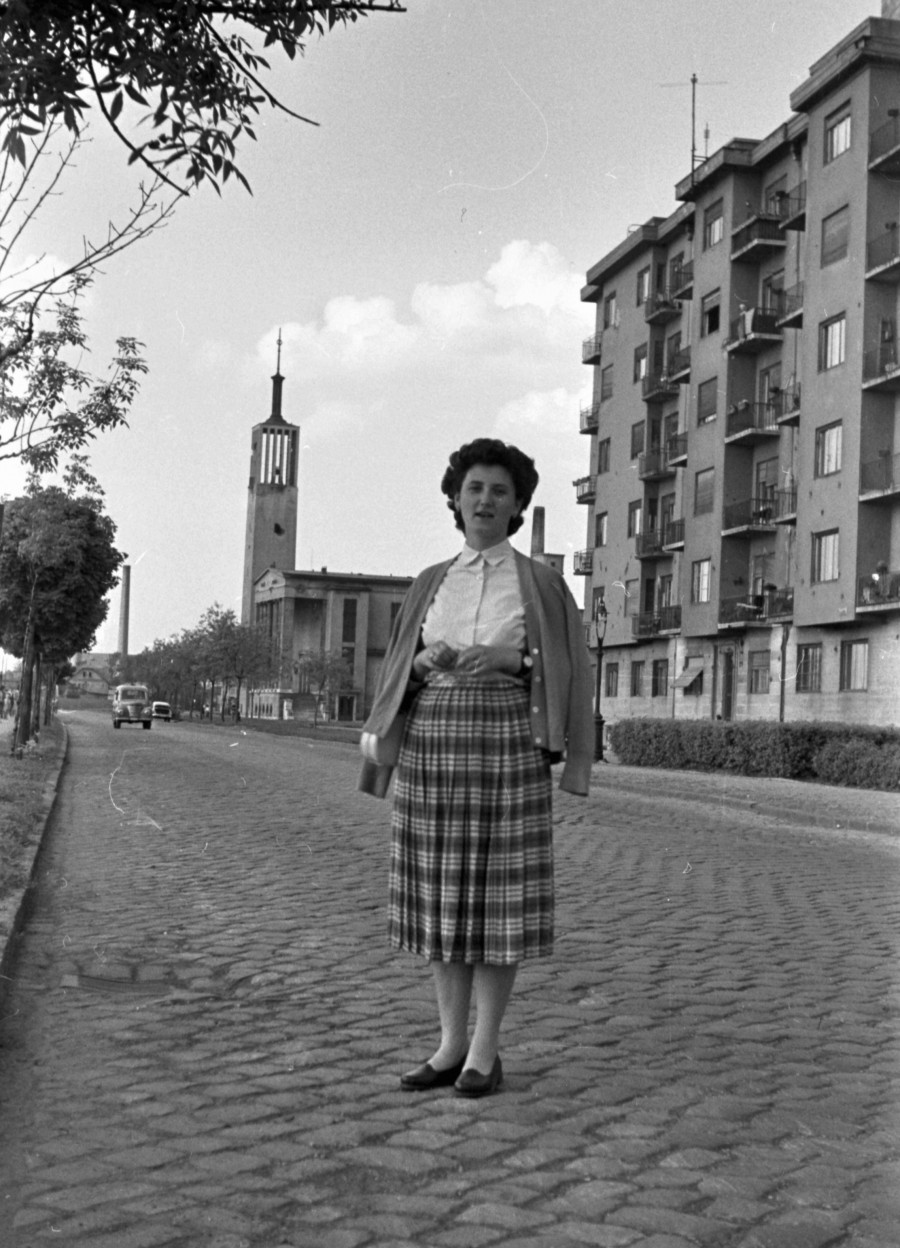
(94, 675)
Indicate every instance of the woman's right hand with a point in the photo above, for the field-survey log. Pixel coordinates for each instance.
(439, 655)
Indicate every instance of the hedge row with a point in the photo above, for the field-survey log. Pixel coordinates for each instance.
(856, 757)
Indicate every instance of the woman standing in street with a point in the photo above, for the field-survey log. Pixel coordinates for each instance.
(488, 663)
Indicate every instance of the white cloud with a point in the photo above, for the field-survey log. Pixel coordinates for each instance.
(529, 274)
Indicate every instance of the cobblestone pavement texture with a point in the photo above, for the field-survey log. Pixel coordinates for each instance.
(202, 1041)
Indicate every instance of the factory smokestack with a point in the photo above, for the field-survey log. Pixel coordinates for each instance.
(124, 609)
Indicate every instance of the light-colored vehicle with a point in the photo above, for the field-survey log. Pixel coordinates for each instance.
(161, 710)
(131, 705)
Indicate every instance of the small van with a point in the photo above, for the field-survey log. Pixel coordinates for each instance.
(161, 710)
(131, 705)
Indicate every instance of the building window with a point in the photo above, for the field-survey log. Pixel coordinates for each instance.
(612, 680)
(600, 529)
(704, 490)
(635, 511)
(676, 264)
(773, 292)
(837, 133)
(835, 236)
(664, 591)
(707, 400)
(606, 383)
(631, 597)
(825, 548)
(637, 439)
(610, 311)
(637, 679)
(643, 286)
(774, 194)
(695, 688)
(713, 224)
(659, 679)
(348, 623)
(640, 362)
(603, 456)
(758, 671)
(809, 668)
(700, 580)
(854, 666)
(828, 449)
(709, 313)
(832, 342)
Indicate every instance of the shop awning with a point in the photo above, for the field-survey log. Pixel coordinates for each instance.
(687, 678)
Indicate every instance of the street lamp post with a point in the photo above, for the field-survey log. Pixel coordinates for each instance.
(600, 616)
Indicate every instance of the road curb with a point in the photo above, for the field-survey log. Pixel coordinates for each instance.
(16, 909)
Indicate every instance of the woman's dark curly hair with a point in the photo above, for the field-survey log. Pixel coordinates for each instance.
(493, 452)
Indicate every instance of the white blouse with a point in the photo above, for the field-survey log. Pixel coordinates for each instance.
(479, 602)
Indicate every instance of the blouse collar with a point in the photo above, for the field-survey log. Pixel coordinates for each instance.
(493, 555)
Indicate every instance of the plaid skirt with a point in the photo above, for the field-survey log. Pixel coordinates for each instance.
(471, 872)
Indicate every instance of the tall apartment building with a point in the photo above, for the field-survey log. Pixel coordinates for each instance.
(743, 493)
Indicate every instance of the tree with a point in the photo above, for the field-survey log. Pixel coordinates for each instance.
(57, 564)
(325, 673)
(48, 404)
(185, 73)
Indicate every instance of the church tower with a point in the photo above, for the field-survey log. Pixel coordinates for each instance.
(271, 496)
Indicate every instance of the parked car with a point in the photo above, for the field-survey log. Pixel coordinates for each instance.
(161, 710)
(131, 705)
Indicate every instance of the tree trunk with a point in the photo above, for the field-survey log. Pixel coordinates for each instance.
(23, 710)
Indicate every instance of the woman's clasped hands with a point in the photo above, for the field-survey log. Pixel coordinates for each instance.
(471, 661)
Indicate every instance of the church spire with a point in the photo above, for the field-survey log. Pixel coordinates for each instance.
(277, 383)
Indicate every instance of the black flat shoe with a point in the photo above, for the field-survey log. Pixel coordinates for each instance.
(474, 1083)
(425, 1077)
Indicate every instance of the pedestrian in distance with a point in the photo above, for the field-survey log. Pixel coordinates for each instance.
(485, 683)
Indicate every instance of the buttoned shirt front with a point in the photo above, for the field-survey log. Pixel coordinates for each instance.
(479, 602)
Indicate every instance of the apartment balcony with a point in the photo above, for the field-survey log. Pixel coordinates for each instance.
(589, 418)
(748, 423)
(682, 283)
(787, 406)
(879, 478)
(789, 309)
(592, 349)
(755, 330)
(878, 592)
(680, 366)
(662, 307)
(884, 146)
(585, 489)
(648, 545)
(654, 466)
(792, 208)
(677, 450)
(673, 535)
(883, 257)
(785, 506)
(657, 387)
(748, 517)
(652, 623)
(771, 606)
(758, 237)
(881, 367)
(583, 562)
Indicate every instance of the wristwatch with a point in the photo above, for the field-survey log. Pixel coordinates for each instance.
(526, 665)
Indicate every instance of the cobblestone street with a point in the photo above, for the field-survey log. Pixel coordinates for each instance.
(203, 1038)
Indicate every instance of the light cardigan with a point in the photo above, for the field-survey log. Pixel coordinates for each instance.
(560, 687)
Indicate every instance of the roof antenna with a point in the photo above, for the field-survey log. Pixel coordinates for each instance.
(694, 82)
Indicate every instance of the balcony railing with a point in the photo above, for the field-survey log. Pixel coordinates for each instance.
(652, 623)
(654, 465)
(787, 406)
(680, 365)
(755, 330)
(880, 478)
(749, 515)
(788, 307)
(751, 422)
(585, 489)
(673, 534)
(584, 562)
(677, 449)
(759, 235)
(884, 146)
(771, 604)
(661, 307)
(648, 545)
(792, 208)
(591, 349)
(881, 367)
(883, 257)
(880, 591)
(682, 283)
(589, 418)
(786, 506)
(658, 386)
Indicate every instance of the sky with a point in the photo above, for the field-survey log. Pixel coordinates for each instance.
(421, 251)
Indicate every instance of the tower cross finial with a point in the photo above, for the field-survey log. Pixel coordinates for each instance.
(278, 363)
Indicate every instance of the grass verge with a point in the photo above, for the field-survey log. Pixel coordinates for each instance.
(23, 806)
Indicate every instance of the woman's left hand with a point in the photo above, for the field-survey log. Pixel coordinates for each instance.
(482, 660)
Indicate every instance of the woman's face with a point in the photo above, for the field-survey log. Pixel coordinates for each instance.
(487, 502)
